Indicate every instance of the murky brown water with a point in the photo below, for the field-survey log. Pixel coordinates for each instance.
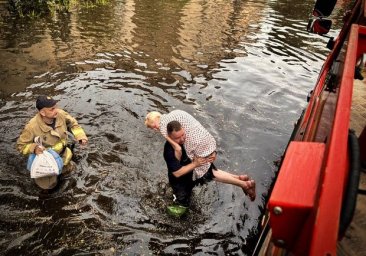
(243, 68)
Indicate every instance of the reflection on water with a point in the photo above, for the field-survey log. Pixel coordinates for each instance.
(243, 68)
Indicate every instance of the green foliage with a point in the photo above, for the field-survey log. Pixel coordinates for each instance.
(35, 8)
(92, 3)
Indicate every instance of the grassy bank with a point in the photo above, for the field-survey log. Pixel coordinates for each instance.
(35, 8)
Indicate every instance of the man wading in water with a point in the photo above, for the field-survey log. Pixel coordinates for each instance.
(51, 125)
(200, 147)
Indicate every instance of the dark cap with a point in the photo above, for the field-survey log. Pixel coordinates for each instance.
(45, 102)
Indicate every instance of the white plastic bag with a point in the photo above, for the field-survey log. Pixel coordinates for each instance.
(44, 165)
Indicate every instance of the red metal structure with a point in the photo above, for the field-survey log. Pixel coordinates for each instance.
(306, 202)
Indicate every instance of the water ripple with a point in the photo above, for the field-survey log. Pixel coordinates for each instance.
(243, 68)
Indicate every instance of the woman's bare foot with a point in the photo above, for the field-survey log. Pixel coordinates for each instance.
(244, 177)
(250, 189)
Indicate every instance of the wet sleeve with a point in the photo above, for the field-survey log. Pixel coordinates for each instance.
(163, 125)
(25, 144)
(172, 163)
(75, 128)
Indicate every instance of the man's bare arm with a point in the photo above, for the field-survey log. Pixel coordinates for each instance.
(198, 161)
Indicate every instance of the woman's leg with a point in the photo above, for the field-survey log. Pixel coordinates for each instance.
(241, 181)
(240, 177)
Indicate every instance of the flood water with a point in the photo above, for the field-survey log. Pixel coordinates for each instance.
(242, 68)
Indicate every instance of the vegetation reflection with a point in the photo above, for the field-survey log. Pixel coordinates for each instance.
(33, 9)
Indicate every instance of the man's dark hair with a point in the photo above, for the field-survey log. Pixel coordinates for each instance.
(173, 126)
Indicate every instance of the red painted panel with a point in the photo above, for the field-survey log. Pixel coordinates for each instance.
(361, 47)
(295, 190)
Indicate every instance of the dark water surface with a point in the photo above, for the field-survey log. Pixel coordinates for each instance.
(243, 68)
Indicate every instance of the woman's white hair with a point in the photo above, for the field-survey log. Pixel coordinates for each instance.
(151, 117)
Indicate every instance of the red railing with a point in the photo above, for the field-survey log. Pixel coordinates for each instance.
(326, 227)
(308, 121)
(306, 201)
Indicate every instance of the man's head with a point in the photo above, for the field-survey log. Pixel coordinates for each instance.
(46, 106)
(152, 120)
(176, 132)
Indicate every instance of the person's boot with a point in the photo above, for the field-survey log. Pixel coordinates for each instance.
(69, 168)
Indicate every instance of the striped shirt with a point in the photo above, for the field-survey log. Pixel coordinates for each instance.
(199, 142)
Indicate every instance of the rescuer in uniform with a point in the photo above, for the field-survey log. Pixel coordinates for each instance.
(51, 126)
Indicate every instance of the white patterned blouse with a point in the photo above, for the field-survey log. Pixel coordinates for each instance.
(199, 142)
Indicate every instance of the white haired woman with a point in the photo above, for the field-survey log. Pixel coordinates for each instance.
(198, 142)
